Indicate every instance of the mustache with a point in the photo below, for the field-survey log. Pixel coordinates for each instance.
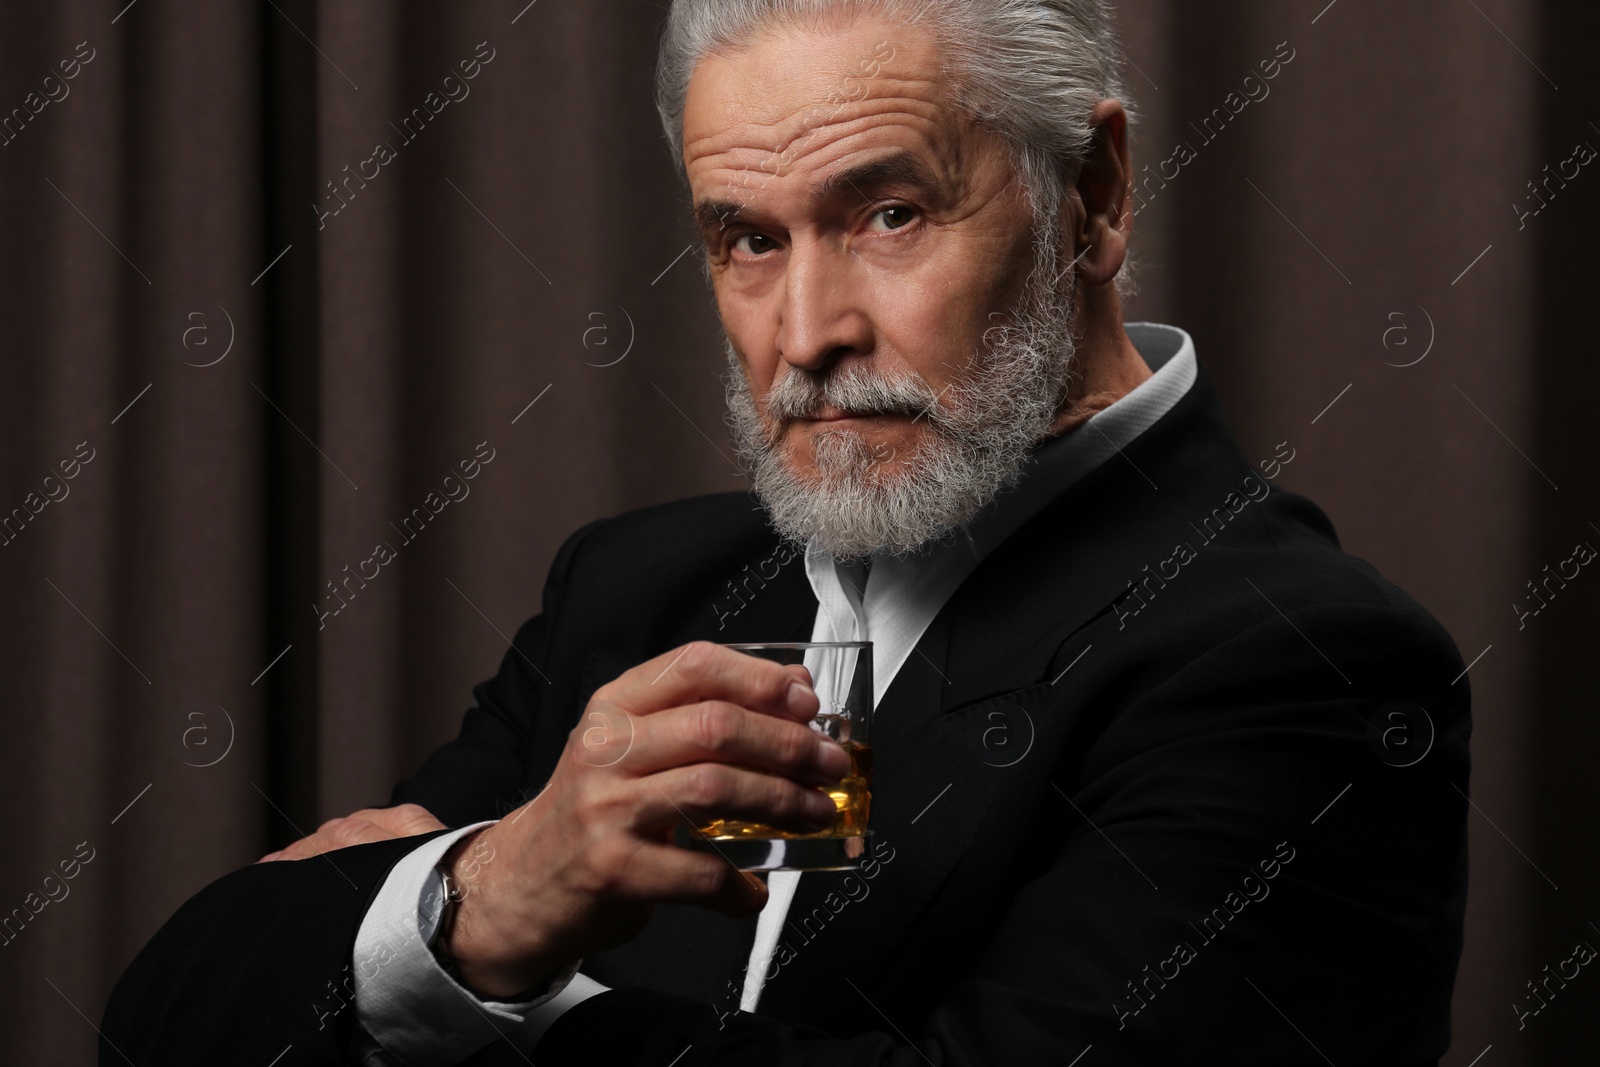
(802, 394)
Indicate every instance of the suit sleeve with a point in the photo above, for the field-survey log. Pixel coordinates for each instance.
(1245, 869)
(258, 964)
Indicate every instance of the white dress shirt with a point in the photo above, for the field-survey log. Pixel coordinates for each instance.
(418, 1012)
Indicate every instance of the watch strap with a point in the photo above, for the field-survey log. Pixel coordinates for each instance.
(451, 893)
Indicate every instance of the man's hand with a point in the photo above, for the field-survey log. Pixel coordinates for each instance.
(368, 824)
(699, 733)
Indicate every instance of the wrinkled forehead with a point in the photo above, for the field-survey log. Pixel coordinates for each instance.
(810, 94)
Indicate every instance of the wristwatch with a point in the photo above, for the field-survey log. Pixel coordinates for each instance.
(437, 906)
(436, 912)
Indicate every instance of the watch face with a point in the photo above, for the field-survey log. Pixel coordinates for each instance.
(430, 906)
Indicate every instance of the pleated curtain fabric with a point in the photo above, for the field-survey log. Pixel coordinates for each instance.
(323, 324)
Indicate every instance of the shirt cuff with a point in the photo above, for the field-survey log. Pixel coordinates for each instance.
(406, 1000)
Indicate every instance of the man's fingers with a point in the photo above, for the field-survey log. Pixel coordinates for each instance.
(333, 834)
(714, 730)
(362, 827)
(701, 670)
(738, 897)
(403, 820)
(667, 874)
(704, 792)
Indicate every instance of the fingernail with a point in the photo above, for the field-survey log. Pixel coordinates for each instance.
(800, 698)
(270, 856)
(832, 760)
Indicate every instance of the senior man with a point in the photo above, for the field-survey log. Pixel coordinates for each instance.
(1161, 774)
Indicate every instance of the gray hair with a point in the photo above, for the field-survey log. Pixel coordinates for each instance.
(1030, 70)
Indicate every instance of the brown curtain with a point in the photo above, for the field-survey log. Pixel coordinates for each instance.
(244, 347)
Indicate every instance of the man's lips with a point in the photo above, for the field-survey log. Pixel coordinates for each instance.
(837, 415)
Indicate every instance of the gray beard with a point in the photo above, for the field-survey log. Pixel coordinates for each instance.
(982, 429)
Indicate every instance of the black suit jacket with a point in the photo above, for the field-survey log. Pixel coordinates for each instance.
(1156, 802)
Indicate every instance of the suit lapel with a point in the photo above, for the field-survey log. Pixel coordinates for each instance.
(1092, 550)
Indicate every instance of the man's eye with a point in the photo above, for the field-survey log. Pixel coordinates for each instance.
(893, 217)
(753, 244)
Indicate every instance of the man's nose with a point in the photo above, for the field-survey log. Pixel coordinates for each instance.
(822, 316)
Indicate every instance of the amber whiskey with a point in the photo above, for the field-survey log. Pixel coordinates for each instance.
(852, 803)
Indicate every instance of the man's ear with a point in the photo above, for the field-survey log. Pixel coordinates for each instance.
(1098, 209)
